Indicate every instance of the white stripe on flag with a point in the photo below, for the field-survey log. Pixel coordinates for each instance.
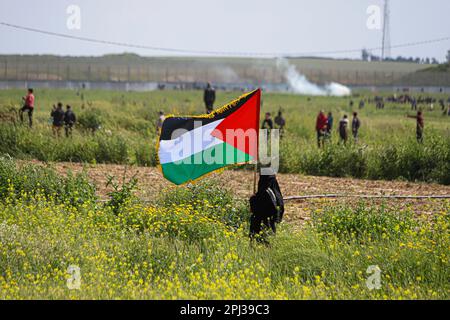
(188, 143)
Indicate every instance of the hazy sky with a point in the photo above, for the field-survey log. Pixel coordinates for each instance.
(288, 26)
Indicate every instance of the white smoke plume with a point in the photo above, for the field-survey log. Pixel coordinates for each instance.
(298, 83)
(224, 73)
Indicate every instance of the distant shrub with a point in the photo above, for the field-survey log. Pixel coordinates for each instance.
(145, 154)
(290, 156)
(412, 161)
(29, 179)
(336, 161)
(132, 124)
(26, 144)
(112, 149)
(90, 120)
(399, 159)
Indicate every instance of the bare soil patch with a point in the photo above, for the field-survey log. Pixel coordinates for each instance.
(151, 184)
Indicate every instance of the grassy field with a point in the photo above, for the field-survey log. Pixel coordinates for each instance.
(387, 148)
(191, 242)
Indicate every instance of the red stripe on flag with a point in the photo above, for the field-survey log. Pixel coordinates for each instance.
(241, 128)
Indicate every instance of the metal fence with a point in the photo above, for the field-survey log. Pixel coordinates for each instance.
(193, 71)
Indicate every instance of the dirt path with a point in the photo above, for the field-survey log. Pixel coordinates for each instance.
(151, 184)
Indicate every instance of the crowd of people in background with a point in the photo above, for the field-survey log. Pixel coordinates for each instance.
(418, 104)
(414, 102)
(278, 123)
(59, 117)
(324, 122)
(324, 128)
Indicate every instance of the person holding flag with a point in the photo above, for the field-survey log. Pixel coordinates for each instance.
(193, 146)
(267, 207)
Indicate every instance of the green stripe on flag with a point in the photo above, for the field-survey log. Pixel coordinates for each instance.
(203, 162)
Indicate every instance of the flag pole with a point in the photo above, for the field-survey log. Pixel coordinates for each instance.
(255, 171)
(254, 176)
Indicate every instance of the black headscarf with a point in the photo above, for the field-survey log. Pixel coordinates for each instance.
(270, 181)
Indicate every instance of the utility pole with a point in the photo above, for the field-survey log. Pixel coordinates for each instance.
(386, 41)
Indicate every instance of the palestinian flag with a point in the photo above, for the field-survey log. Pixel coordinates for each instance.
(190, 147)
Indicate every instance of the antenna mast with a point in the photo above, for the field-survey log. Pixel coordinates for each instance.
(386, 42)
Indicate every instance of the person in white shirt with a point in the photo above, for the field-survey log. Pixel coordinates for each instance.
(343, 129)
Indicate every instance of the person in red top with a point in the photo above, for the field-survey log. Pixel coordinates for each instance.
(28, 106)
(321, 128)
(419, 126)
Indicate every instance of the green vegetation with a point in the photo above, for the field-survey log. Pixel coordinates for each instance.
(17, 182)
(189, 244)
(444, 67)
(119, 127)
(401, 159)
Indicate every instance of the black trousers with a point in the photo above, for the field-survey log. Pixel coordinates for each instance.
(68, 129)
(209, 106)
(419, 135)
(30, 114)
(257, 221)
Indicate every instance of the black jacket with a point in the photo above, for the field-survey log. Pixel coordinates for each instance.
(69, 117)
(268, 200)
(58, 117)
(209, 96)
(267, 124)
(355, 124)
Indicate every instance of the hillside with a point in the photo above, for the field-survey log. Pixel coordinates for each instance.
(131, 67)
